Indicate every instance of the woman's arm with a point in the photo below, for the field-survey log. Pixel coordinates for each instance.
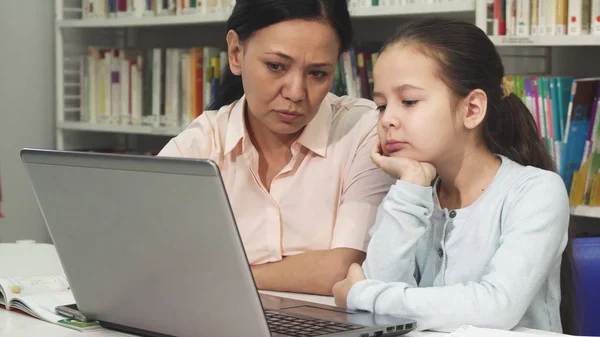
(313, 272)
(533, 238)
(364, 186)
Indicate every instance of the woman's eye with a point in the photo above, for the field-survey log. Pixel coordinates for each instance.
(381, 108)
(275, 66)
(318, 74)
(409, 103)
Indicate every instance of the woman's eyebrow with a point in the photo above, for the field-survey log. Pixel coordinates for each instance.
(289, 58)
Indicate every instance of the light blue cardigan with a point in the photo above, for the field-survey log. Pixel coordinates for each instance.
(494, 264)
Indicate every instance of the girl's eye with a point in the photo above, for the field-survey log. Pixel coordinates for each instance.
(275, 66)
(381, 108)
(409, 103)
(318, 74)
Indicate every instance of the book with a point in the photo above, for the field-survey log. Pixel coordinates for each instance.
(38, 296)
(1, 215)
(577, 126)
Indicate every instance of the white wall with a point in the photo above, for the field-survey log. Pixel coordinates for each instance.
(26, 108)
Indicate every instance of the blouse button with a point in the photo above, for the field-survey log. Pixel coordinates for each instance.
(452, 214)
(440, 252)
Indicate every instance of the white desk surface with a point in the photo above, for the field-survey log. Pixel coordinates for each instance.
(32, 257)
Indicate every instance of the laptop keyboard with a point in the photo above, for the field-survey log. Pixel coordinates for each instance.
(303, 327)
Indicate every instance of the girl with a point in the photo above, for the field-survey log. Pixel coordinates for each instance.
(482, 245)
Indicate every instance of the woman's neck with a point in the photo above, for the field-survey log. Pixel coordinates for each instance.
(462, 181)
(266, 142)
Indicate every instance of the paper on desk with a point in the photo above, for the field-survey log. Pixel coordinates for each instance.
(471, 331)
(42, 307)
(12, 287)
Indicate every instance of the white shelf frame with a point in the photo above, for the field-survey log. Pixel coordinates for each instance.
(464, 6)
(586, 211)
(166, 20)
(547, 41)
(117, 128)
(411, 10)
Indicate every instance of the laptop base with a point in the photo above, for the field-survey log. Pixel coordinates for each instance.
(130, 330)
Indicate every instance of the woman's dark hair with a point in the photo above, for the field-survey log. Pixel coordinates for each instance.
(249, 16)
(468, 60)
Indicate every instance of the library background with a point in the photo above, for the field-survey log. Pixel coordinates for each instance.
(131, 74)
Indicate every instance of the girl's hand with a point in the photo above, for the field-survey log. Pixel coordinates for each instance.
(402, 168)
(342, 288)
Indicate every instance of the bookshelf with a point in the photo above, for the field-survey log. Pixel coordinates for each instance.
(550, 55)
(547, 41)
(461, 6)
(189, 19)
(442, 8)
(125, 129)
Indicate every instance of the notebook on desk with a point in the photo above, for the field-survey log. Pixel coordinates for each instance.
(150, 246)
(37, 296)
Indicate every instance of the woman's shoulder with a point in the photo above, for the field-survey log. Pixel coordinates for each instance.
(198, 137)
(349, 102)
(352, 113)
(212, 119)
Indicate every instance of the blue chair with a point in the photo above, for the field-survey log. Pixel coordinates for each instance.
(586, 255)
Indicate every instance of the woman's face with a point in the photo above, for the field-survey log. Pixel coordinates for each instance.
(287, 70)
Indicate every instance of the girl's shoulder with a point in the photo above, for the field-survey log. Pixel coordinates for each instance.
(527, 177)
(529, 185)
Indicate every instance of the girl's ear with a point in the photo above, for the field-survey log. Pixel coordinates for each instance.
(234, 52)
(475, 109)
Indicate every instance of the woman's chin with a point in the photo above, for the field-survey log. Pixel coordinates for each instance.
(286, 129)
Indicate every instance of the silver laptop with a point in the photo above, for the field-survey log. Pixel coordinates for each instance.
(150, 246)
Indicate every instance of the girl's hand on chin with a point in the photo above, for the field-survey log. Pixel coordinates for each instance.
(405, 169)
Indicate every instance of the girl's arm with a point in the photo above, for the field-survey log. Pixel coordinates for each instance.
(534, 236)
(402, 219)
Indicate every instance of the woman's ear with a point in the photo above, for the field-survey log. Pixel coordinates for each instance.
(476, 109)
(234, 52)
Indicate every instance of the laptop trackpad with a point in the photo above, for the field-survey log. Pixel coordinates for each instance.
(335, 314)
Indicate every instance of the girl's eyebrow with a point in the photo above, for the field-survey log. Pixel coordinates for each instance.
(398, 88)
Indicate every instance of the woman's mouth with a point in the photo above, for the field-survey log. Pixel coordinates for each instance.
(288, 116)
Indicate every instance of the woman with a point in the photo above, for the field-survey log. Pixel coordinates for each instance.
(294, 158)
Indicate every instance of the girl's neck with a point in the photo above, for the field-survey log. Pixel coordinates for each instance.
(463, 180)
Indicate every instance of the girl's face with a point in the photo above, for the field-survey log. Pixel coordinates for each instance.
(416, 114)
(287, 69)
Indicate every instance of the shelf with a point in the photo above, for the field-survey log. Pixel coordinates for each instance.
(407, 10)
(547, 41)
(167, 20)
(190, 19)
(586, 211)
(116, 128)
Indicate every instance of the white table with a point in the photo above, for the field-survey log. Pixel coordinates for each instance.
(19, 325)
(32, 258)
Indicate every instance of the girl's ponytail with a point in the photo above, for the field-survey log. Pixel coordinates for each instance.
(510, 130)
